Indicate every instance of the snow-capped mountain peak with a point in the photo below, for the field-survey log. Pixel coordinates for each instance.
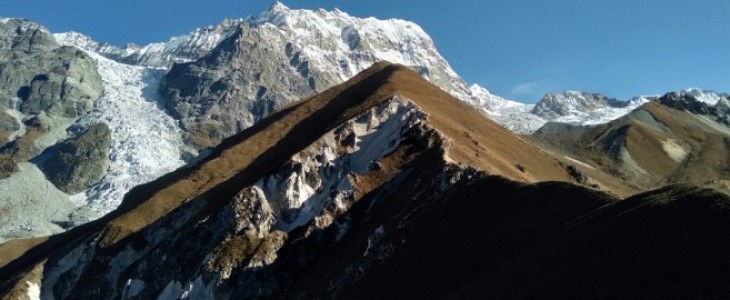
(705, 96)
(183, 48)
(583, 108)
(278, 6)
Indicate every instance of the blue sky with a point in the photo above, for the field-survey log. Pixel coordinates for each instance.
(518, 49)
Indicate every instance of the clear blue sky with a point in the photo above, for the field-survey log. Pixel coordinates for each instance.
(518, 49)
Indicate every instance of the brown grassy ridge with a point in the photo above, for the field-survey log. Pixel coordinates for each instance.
(477, 141)
(241, 160)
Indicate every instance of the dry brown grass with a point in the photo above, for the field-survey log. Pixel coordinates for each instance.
(476, 140)
(644, 144)
(13, 249)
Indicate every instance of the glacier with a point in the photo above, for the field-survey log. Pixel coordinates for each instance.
(146, 142)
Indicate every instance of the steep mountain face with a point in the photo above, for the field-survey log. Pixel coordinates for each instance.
(677, 138)
(383, 186)
(21, 38)
(45, 88)
(699, 102)
(337, 46)
(213, 89)
(283, 55)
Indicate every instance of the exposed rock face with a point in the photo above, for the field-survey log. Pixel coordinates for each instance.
(695, 102)
(80, 161)
(287, 185)
(20, 38)
(240, 82)
(44, 88)
(61, 82)
(284, 55)
(42, 85)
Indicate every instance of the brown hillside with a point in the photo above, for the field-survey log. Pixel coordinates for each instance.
(425, 199)
(653, 146)
(472, 140)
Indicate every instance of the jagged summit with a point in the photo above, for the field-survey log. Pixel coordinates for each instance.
(280, 57)
(278, 6)
(183, 48)
(582, 107)
(707, 96)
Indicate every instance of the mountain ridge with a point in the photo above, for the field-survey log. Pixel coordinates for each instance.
(311, 202)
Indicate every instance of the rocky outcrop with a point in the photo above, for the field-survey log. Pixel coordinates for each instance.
(75, 164)
(268, 203)
(61, 82)
(700, 103)
(25, 147)
(42, 85)
(20, 38)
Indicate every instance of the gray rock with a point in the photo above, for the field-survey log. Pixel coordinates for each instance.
(20, 38)
(282, 56)
(30, 206)
(61, 82)
(75, 164)
(244, 79)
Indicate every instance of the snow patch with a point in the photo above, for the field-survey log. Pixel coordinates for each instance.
(34, 291)
(579, 162)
